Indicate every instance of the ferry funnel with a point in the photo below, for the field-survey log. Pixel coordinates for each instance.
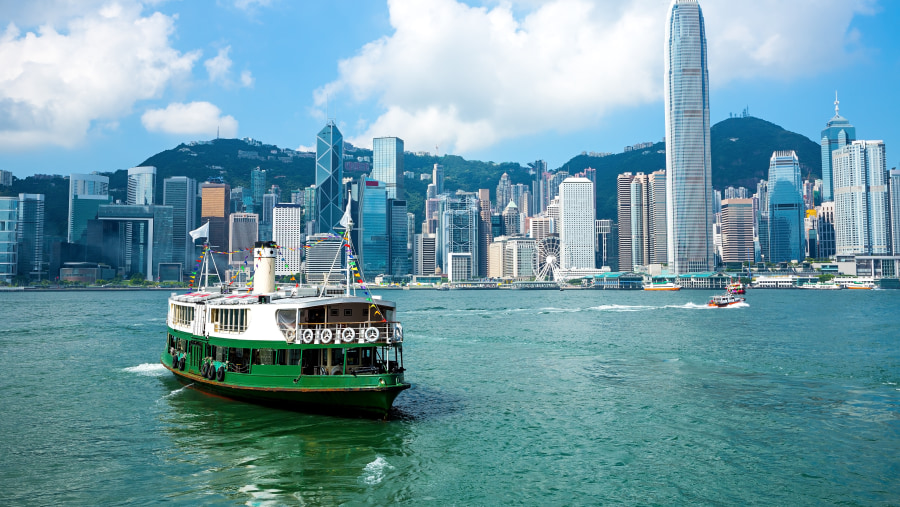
(264, 260)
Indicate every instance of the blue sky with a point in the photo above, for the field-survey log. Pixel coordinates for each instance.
(102, 85)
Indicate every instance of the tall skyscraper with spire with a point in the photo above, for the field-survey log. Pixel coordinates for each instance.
(837, 133)
(688, 170)
(329, 175)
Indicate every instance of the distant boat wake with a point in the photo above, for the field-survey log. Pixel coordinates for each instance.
(147, 369)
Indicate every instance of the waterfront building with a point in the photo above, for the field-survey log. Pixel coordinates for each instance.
(607, 244)
(9, 219)
(656, 230)
(437, 179)
(576, 224)
(141, 185)
(838, 132)
(257, 190)
(518, 258)
(180, 192)
(623, 194)
(243, 233)
(287, 233)
(398, 253)
(215, 200)
(86, 193)
(485, 230)
(133, 238)
(374, 242)
(688, 174)
(495, 257)
(862, 218)
(387, 165)
(459, 235)
(329, 178)
(894, 190)
(737, 230)
(786, 209)
(424, 254)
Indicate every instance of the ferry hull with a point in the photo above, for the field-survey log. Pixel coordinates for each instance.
(364, 401)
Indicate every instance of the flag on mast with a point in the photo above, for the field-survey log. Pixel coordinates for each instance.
(346, 220)
(200, 232)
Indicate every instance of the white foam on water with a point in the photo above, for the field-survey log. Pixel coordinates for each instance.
(622, 308)
(374, 471)
(147, 369)
(261, 496)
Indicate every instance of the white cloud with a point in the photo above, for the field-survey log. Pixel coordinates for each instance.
(56, 85)
(251, 4)
(194, 118)
(219, 66)
(468, 77)
(246, 79)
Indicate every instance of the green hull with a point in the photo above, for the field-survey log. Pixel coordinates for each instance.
(339, 394)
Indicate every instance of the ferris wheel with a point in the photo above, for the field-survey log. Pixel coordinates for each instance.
(548, 259)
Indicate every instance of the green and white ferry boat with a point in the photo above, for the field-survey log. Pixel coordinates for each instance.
(307, 348)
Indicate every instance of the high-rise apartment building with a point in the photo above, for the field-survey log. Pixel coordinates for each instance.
(737, 230)
(387, 165)
(576, 224)
(329, 176)
(786, 208)
(862, 218)
(87, 192)
(287, 233)
(838, 132)
(688, 174)
(894, 190)
(180, 192)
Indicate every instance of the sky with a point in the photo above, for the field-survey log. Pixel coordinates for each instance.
(100, 85)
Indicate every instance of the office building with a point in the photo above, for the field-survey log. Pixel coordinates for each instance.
(576, 223)
(180, 192)
(141, 185)
(387, 165)
(287, 233)
(374, 244)
(6, 178)
(894, 191)
(257, 190)
(329, 179)
(607, 244)
(786, 208)
(688, 175)
(656, 214)
(324, 259)
(423, 254)
(437, 178)
(838, 132)
(133, 238)
(87, 192)
(397, 230)
(861, 214)
(512, 220)
(243, 233)
(825, 245)
(459, 224)
(30, 236)
(737, 230)
(9, 219)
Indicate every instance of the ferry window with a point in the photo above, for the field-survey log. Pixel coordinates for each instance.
(230, 320)
(293, 356)
(334, 312)
(348, 312)
(352, 357)
(264, 356)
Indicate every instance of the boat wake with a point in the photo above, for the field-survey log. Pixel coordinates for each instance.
(374, 471)
(147, 369)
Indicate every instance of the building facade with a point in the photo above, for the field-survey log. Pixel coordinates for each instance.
(243, 233)
(737, 230)
(287, 233)
(838, 132)
(329, 176)
(374, 243)
(141, 185)
(180, 192)
(9, 219)
(786, 208)
(689, 197)
(87, 192)
(30, 236)
(862, 217)
(387, 165)
(576, 223)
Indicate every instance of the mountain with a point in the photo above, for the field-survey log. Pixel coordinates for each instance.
(740, 147)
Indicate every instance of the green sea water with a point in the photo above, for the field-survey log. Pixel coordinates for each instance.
(518, 397)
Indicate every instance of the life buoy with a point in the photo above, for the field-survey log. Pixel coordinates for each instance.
(181, 364)
(220, 374)
(290, 335)
(307, 336)
(325, 336)
(349, 335)
(372, 334)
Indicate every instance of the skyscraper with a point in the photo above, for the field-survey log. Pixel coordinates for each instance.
(9, 218)
(287, 233)
(688, 175)
(387, 165)
(437, 178)
(329, 176)
(838, 132)
(372, 224)
(861, 215)
(576, 223)
(458, 243)
(86, 193)
(141, 185)
(737, 230)
(786, 209)
(243, 231)
(894, 190)
(397, 230)
(30, 235)
(180, 192)
(257, 189)
(656, 195)
(623, 194)
(215, 201)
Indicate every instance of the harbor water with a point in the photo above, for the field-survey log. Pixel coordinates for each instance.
(519, 397)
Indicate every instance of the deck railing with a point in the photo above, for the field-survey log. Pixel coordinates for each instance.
(381, 333)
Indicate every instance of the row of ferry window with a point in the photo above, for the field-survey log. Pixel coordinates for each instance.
(357, 356)
(230, 320)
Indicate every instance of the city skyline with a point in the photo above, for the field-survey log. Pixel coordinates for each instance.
(410, 70)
